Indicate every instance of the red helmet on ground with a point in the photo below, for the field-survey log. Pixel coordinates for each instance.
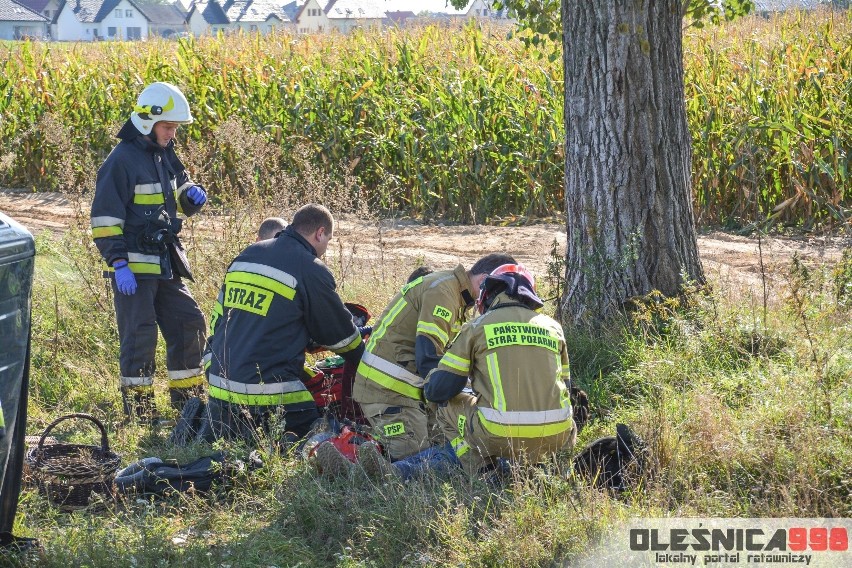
(514, 279)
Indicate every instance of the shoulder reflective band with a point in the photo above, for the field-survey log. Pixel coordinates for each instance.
(509, 333)
(386, 321)
(410, 285)
(264, 276)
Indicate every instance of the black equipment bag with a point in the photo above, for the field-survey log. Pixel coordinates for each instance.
(153, 476)
(615, 462)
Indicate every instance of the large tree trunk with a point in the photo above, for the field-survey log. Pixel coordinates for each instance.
(628, 201)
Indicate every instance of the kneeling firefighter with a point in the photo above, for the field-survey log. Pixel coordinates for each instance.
(277, 296)
(501, 387)
(141, 189)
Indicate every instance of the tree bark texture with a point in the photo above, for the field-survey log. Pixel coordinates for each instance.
(628, 201)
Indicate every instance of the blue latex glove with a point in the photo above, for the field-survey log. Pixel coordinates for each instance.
(196, 195)
(125, 281)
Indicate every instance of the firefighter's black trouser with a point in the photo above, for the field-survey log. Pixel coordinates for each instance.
(167, 305)
(237, 421)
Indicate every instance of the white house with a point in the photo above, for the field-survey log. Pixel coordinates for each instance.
(18, 22)
(311, 18)
(164, 20)
(261, 16)
(91, 20)
(344, 15)
(46, 8)
(207, 18)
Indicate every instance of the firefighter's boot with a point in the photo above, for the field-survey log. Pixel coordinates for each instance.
(179, 395)
(331, 462)
(139, 406)
(374, 463)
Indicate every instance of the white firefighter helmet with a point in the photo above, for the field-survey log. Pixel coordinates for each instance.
(160, 102)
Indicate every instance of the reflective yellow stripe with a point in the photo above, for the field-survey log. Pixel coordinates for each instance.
(429, 328)
(456, 362)
(355, 342)
(218, 310)
(186, 383)
(149, 199)
(106, 221)
(177, 202)
(496, 381)
(260, 399)
(390, 382)
(385, 322)
(238, 277)
(410, 285)
(460, 447)
(100, 232)
(144, 268)
(524, 430)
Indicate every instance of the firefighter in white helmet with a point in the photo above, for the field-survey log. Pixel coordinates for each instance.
(142, 191)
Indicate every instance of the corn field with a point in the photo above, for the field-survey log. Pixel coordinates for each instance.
(461, 124)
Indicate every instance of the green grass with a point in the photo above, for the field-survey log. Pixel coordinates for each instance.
(743, 418)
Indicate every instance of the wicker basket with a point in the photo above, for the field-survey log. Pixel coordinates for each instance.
(68, 474)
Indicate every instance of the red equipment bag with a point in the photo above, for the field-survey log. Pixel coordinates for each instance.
(331, 384)
(326, 385)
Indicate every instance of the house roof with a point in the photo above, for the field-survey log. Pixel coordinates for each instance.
(36, 6)
(292, 8)
(442, 7)
(211, 12)
(399, 16)
(357, 9)
(93, 11)
(254, 10)
(11, 11)
(394, 10)
(783, 5)
(163, 14)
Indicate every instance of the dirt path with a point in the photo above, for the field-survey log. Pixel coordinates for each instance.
(729, 260)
